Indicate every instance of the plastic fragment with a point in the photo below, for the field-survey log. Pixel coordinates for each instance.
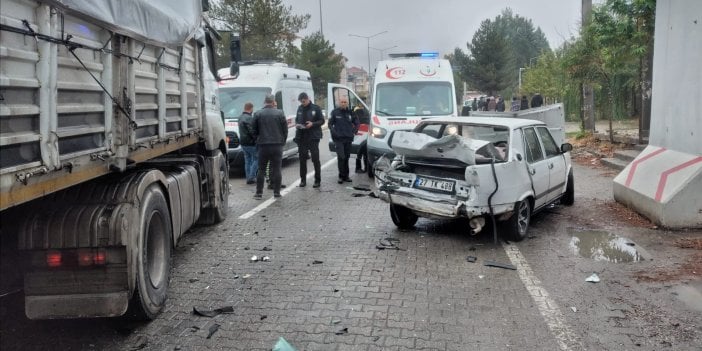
(593, 278)
(214, 312)
(283, 345)
(471, 259)
(213, 329)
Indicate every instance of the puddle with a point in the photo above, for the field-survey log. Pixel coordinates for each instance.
(690, 295)
(604, 246)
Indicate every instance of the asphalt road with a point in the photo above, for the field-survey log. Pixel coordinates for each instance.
(328, 287)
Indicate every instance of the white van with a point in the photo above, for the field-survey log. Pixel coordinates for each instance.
(252, 84)
(407, 89)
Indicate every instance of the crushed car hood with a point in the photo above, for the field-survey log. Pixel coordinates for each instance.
(453, 147)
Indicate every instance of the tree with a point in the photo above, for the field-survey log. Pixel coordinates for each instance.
(317, 56)
(488, 67)
(266, 28)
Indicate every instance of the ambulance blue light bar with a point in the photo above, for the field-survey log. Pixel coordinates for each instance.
(416, 54)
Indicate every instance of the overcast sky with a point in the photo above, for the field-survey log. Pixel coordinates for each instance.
(429, 25)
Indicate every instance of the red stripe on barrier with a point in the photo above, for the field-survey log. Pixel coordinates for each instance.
(664, 175)
(635, 164)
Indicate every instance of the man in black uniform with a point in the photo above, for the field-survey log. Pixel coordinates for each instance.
(309, 121)
(270, 128)
(343, 126)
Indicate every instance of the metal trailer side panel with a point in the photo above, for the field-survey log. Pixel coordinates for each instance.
(58, 127)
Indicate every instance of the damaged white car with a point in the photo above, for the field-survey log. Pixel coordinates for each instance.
(475, 167)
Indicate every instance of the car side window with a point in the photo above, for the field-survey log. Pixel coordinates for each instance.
(432, 130)
(533, 147)
(549, 144)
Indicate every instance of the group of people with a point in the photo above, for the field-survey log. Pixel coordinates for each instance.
(498, 104)
(263, 135)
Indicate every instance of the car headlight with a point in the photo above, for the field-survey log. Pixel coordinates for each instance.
(378, 132)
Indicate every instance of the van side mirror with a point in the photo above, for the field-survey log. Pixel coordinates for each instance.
(565, 147)
(234, 55)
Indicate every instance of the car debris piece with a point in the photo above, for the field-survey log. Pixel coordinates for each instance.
(317, 262)
(266, 248)
(336, 321)
(342, 331)
(388, 244)
(593, 278)
(358, 195)
(141, 343)
(481, 276)
(361, 187)
(192, 280)
(574, 309)
(499, 265)
(246, 276)
(471, 259)
(283, 345)
(254, 258)
(213, 329)
(263, 317)
(265, 259)
(211, 313)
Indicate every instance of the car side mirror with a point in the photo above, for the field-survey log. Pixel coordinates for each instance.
(565, 147)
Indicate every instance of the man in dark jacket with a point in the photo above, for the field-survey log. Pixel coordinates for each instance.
(270, 128)
(524, 104)
(248, 144)
(309, 121)
(343, 126)
(500, 104)
(537, 100)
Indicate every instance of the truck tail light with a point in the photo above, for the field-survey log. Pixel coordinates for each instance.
(53, 258)
(91, 257)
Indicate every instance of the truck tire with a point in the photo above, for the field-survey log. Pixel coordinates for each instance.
(517, 226)
(402, 216)
(568, 198)
(219, 213)
(154, 256)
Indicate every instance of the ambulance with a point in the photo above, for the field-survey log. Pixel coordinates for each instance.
(407, 89)
(254, 82)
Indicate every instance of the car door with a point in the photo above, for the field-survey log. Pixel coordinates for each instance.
(555, 162)
(537, 166)
(334, 93)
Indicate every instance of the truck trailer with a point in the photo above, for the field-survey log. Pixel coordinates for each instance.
(112, 146)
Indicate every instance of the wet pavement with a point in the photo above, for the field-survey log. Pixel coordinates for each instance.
(341, 276)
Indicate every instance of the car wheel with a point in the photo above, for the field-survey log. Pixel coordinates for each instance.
(517, 225)
(154, 260)
(402, 216)
(568, 197)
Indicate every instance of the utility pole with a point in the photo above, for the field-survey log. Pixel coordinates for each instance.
(321, 26)
(368, 38)
(587, 112)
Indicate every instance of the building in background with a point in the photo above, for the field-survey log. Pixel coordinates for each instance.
(356, 79)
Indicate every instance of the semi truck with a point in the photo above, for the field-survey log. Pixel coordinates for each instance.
(112, 146)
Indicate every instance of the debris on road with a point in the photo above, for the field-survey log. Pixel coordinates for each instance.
(317, 262)
(342, 331)
(361, 187)
(471, 259)
(283, 345)
(358, 195)
(246, 276)
(499, 265)
(574, 309)
(593, 278)
(481, 276)
(192, 280)
(388, 244)
(265, 259)
(213, 329)
(254, 258)
(263, 317)
(214, 312)
(266, 248)
(140, 343)
(336, 321)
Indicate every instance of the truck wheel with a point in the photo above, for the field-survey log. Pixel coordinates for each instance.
(219, 213)
(517, 225)
(402, 216)
(568, 198)
(154, 259)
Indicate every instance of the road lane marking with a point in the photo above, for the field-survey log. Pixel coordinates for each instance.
(283, 192)
(565, 337)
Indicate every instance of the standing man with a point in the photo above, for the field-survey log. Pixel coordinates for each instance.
(363, 118)
(537, 100)
(270, 128)
(309, 121)
(248, 143)
(500, 104)
(343, 126)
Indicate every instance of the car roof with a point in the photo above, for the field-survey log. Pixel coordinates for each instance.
(509, 122)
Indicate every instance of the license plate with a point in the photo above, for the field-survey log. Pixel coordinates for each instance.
(434, 184)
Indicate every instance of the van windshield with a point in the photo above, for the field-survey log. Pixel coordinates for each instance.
(414, 99)
(232, 100)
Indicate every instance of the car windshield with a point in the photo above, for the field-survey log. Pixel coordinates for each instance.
(232, 100)
(414, 99)
(497, 136)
